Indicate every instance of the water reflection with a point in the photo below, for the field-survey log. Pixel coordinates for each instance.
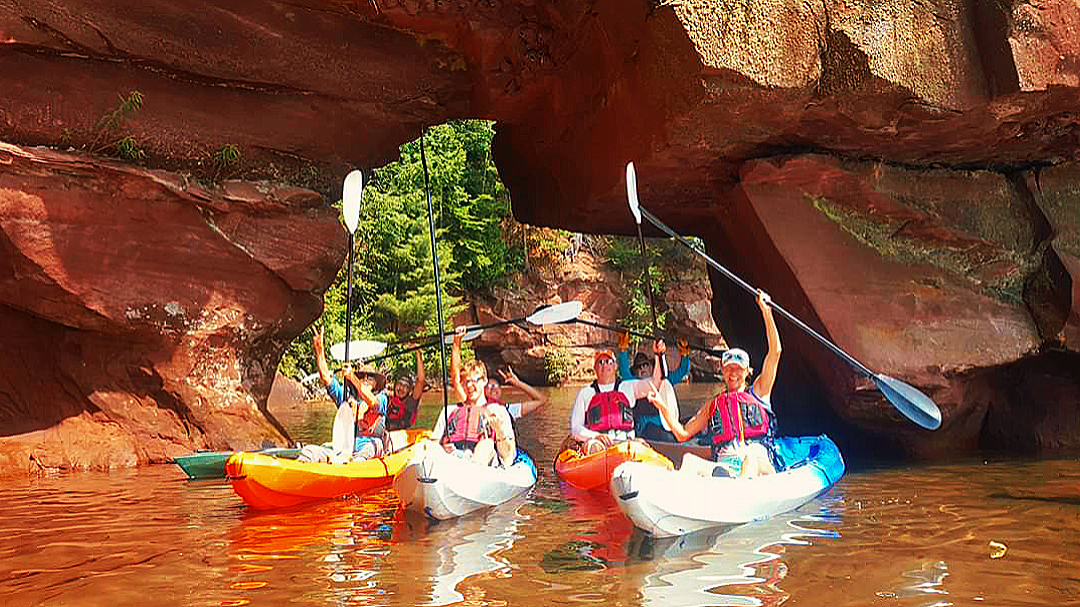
(736, 566)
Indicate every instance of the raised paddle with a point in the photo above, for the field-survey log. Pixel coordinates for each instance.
(469, 335)
(543, 315)
(915, 405)
(709, 351)
(351, 196)
(438, 284)
(631, 196)
(356, 349)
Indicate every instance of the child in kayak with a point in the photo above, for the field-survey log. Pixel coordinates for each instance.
(603, 410)
(739, 421)
(405, 400)
(472, 427)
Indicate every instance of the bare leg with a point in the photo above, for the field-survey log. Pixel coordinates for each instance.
(484, 452)
(505, 441)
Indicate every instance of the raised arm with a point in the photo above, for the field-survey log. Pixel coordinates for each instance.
(537, 398)
(320, 355)
(763, 385)
(683, 369)
(622, 356)
(455, 365)
(643, 387)
(418, 385)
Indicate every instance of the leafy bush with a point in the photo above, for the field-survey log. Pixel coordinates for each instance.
(560, 364)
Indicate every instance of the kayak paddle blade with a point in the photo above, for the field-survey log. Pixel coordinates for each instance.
(351, 194)
(360, 348)
(631, 192)
(344, 434)
(557, 313)
(915, 405)
(469, 335)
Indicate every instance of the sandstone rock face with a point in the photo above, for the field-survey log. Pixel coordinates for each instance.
(901, 175)
(144, 313)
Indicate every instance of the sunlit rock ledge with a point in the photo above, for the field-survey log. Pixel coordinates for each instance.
(903, 176)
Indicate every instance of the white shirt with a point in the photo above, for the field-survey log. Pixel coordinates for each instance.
(577, 418)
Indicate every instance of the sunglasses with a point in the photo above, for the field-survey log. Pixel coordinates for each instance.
(605, 361)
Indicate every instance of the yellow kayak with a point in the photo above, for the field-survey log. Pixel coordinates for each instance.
(595, 469)
(266, 482)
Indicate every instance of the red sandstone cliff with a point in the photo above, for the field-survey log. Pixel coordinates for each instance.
(903, 176)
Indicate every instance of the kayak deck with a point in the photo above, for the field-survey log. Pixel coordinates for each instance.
(594, 470)
(211, 464)
(266, 482)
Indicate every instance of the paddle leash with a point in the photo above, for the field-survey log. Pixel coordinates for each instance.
(438, 285)
(915, 405)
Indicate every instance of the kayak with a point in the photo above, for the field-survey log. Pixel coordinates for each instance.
(266, 482)
(211, 464)
(443, 485)
(670, 503)
(594, 470)
(676, 451)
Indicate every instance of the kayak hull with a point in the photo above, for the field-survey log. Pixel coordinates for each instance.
(211, 464)
(443, 486)
(671, 503)
(267, 482)
(594, 470)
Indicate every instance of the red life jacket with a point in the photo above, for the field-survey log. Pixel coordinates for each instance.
(723, 425)
(458, 429)
(400, 413)
(365, 426)
(609, 410)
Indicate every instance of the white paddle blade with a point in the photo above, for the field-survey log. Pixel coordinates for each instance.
(469, 335)
(351, 195)
(358, 348)
(915, 405)
(631, 192)
(667, 392)
(309, 379)
(557, 313)
(344, 434)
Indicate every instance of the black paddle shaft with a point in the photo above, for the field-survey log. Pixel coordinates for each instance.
(745, 285)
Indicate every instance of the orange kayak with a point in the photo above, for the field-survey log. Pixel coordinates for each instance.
(266, 482)
(594, 470)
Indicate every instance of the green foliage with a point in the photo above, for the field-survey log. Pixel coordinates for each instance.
(393, 294)
(228, 155)
(128, 148)
(110, 123)
(624, 255)
(559, 364)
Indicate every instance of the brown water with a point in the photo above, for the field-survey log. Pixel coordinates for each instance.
(908, 537)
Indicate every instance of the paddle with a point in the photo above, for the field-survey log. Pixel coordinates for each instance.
(356, 349)
(438, 285)
(351, 196)
(915, 405)
(709, 351)
(469, 335)
(543, 315)
(631, 196)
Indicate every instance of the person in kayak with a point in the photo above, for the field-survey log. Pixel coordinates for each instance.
(472, 427)
(642, 367)
(739, 421)
(404, 402)
(493, 394)
(366, 392)
(603, 410)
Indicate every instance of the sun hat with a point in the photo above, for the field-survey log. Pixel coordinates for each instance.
(735, 356)
(640, 360)
(363, 371)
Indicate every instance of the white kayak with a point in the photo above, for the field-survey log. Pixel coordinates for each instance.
(443, 485)
(669, 503)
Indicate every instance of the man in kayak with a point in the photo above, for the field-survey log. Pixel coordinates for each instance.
(405, 400)
(603, 410)
(493, 394)
(472, 426)
(739, 421)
